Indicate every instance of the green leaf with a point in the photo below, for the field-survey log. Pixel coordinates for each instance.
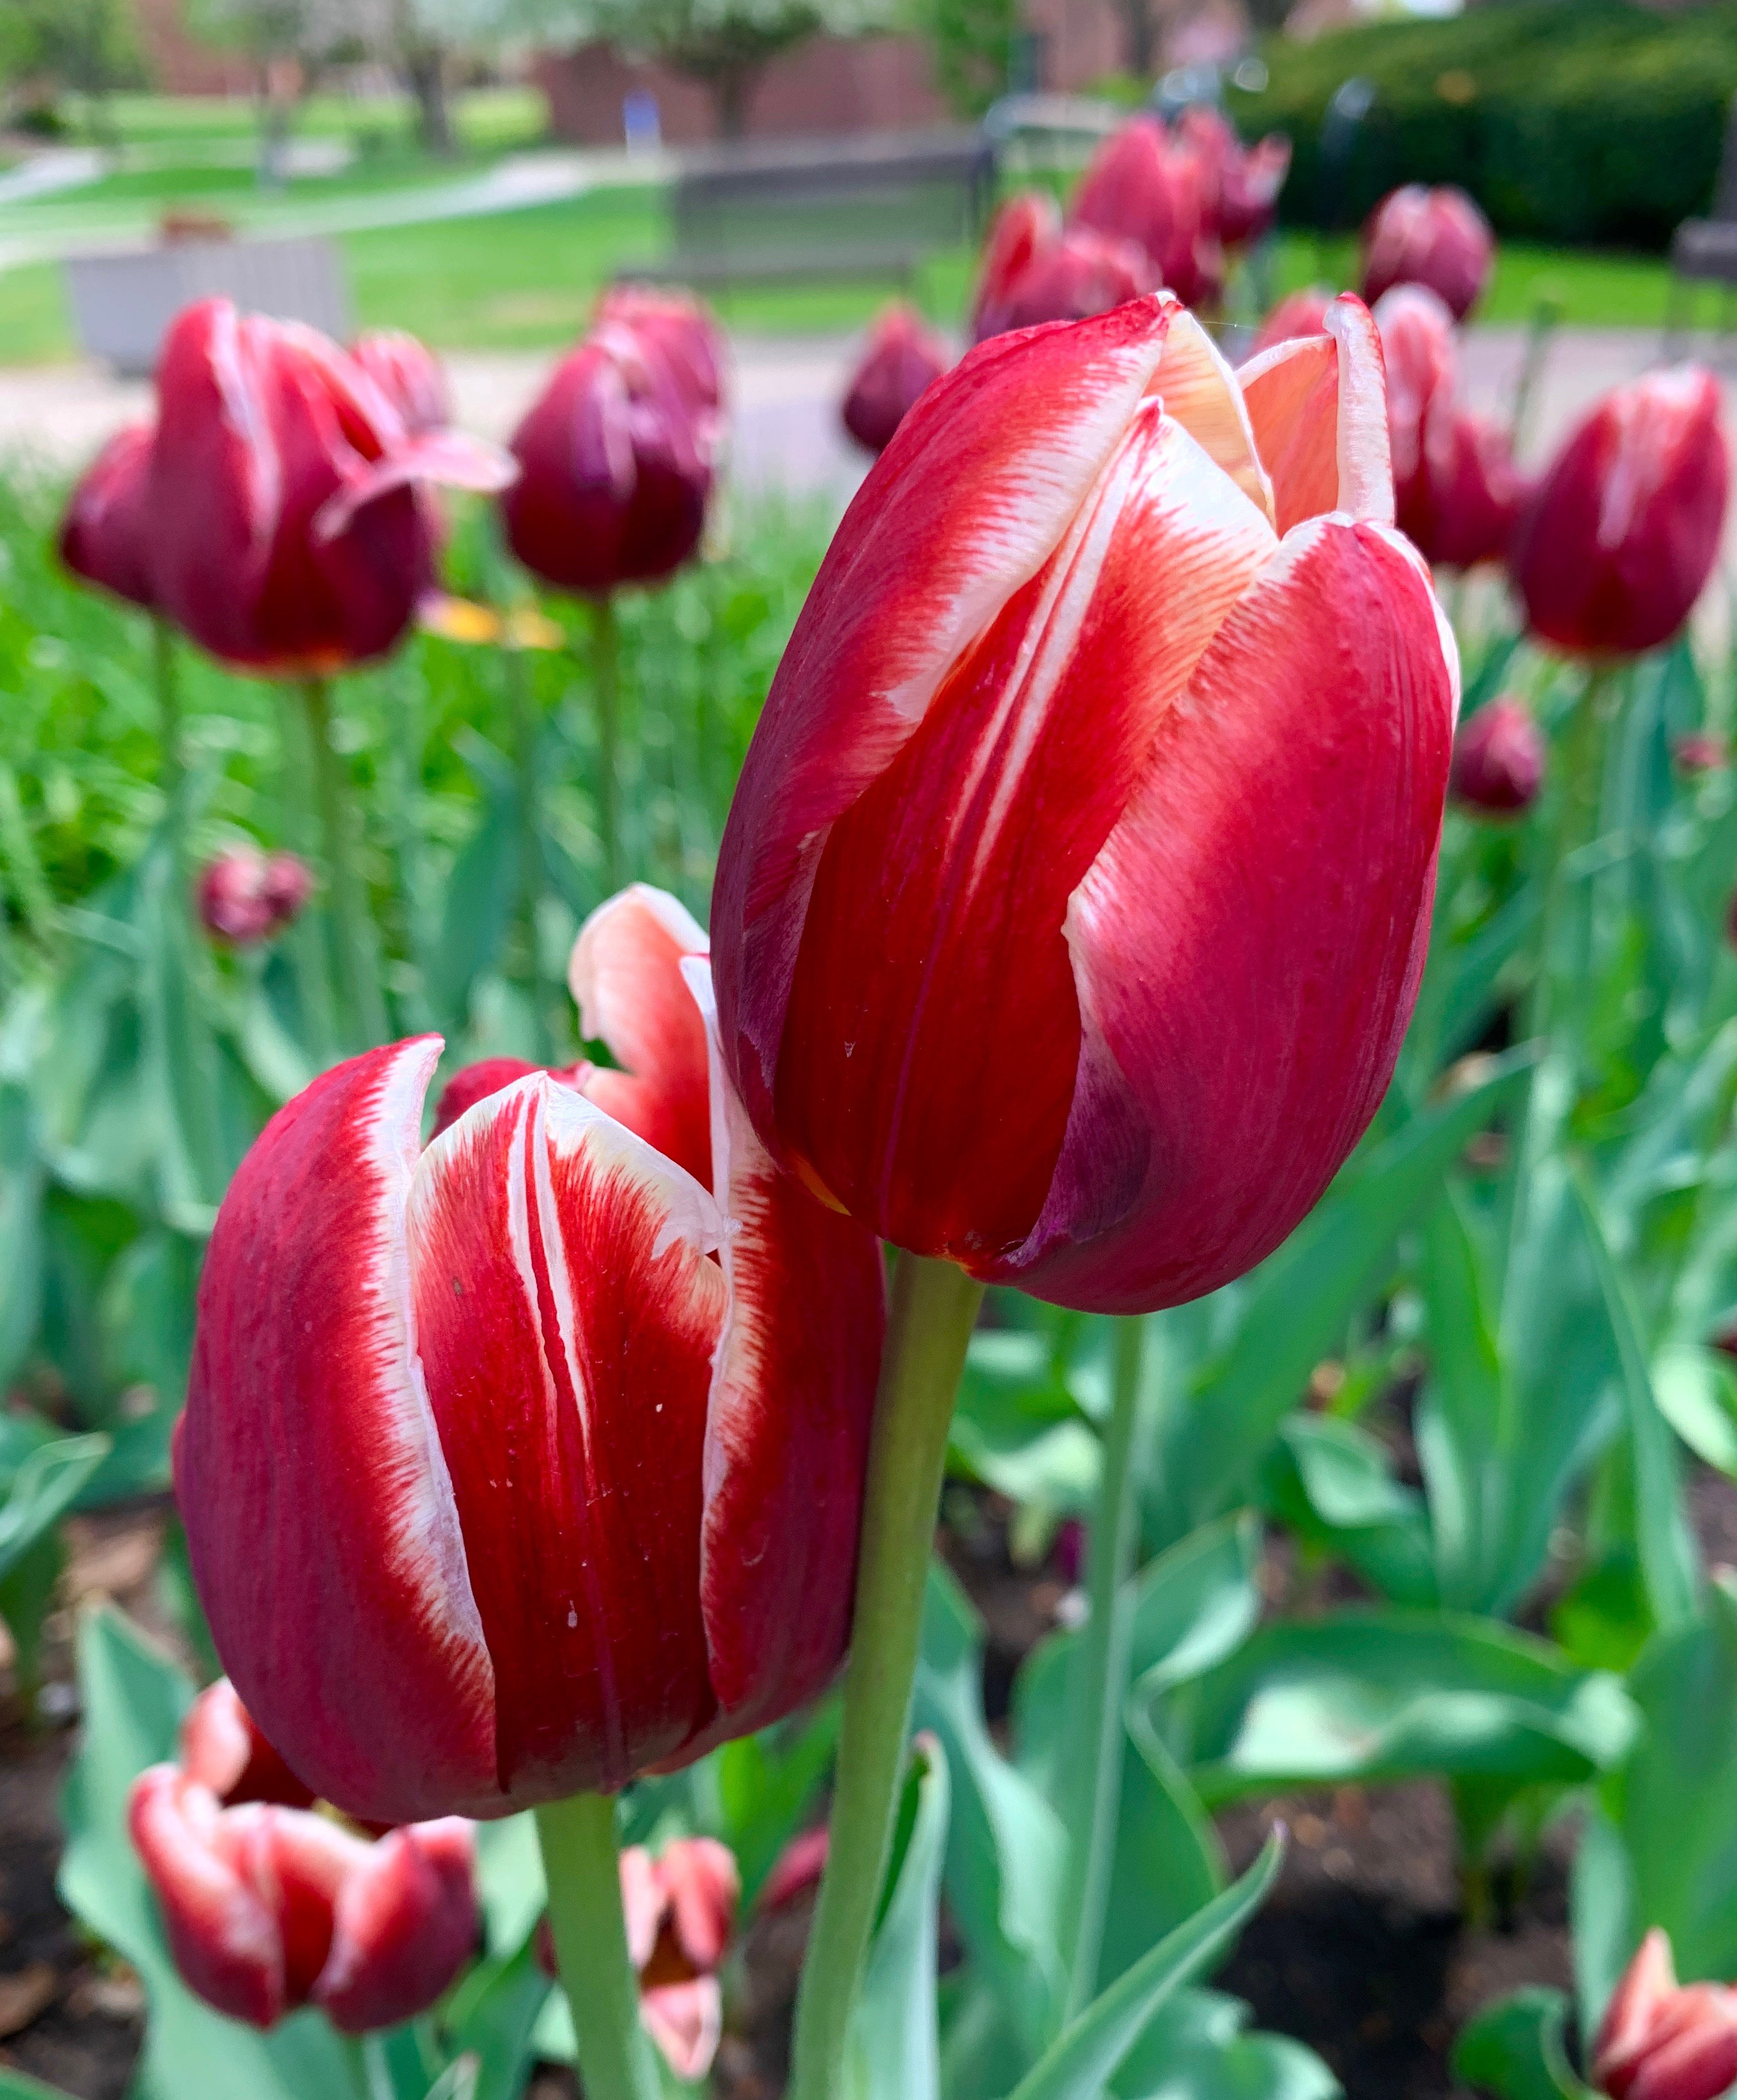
(1085, 2054)
(1298, 1302)
(764, 1785)
(1197, 2048)
(1695, 1391)
(1669, 1561)
(480, 891)
(21, 1187)
(1389, 1694)
(1514, 2049)
(1333, 1484)
(1016, 1426)
(44, 1489)
(895, 2040)
(15, 2085)
(510, 1886)
(492, 2017)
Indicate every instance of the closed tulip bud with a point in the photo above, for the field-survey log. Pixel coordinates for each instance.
(104, 536)
(289, 534)
(1035, 271)
(1615, 546)
(1242, 183)
(410, 376)
(268, 1908)
(1437, 237)
(616, 467)
(676, 324)
(244, 896)
(1298, 314)
(1498, 759)
(448, 1578)
(901, 358)
(1661, 2041)
(1116, 728)
(1147, 187)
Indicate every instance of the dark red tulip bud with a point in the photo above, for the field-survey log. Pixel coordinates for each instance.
(1298, 314)
(679, 326)
(1498, 760)
(104, 536)
(1242, 183)
(797, 1868)
(1616, 544)
(1699, 751)
(617, 458)
(244, 896)
(1661, 2041)
(1156, 190)
(1438, 237)
(1034, 271)
(410, 376)
(901, 357)
(289, 530)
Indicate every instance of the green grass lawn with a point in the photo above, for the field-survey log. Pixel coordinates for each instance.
(488, 120)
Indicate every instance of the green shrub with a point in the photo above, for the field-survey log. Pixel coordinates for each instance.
(1583, 121)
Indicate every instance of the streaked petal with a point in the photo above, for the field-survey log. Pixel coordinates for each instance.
(685, 2020)
(224, 1940)
(565, 1318)
(1272, 878)
(1318, 408)
(1199, 389)
(448, 459)
(405, 1925)
(307, 1465)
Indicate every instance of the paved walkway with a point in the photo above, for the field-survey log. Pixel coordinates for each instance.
(785, 425)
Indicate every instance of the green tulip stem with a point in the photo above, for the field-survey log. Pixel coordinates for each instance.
(605, 686)
(1100, 1680)
(583, 1869)
(168, 685)
(364, 1004)
(934, 1310)
(526, 737)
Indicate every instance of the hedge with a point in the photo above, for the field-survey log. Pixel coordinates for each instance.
(1574, 120)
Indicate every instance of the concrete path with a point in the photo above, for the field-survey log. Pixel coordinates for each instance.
(785, 393)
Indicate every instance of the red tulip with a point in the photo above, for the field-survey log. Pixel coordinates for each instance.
(1614, 548)
(268, 1908)
(410, 376)
(460, 1575)
(244, 896)
(1457, 491)
(287, 531)
(617, 462)
(1134, 805)
(1660, 2040)
(679, 326)
(1033, 271)
(1242, 182)
(1298, 314)
(1498, 759)
(1438, 237)
(104, 536)
(797, 1869)
(1146, 186)
(901, 359)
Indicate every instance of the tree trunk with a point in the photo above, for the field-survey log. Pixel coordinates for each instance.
(732, 91)
(425, 72)
(1138, 15)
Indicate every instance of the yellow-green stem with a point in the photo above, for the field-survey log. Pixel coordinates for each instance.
(526, 727)
(582, 1868)
(605, 680)
(934, 1308)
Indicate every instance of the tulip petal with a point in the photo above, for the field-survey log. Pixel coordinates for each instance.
(448, 459)
(1270, 886)
(701, 1881)
(224, 1939)
(1318, 408)
(930, 1094)
(685, 2020)
(787, 1439)
(540, 1223)
(643, 1904)
(626, 980)
(960, 512)
(1648, 1982)
(404, 1924)
(1199, 389)
(308, 1456)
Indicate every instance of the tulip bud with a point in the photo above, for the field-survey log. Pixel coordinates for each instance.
(448, 1578)
(288, 534)
(1498, 760)
(1437, 237)
(1298, 314)
(1660, 2040)
(1146, 186)
(267, 1907)
(901, 357)
(797, 1869)
(1242, 183)
(1015, 751)
(617, 464)
(104, 537)
(677, 325)
(244, 896)
(1614, 547)
(410, 376)
(1699, 751)
(1033, 271)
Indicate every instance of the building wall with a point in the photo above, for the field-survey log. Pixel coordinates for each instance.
(177, 63)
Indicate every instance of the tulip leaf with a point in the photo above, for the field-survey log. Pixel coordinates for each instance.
(491, 2019)
(1333, 1485)
(1086, 2053)
(895, 2041)
(21, 1189)
(760, 1788)
(44, 1488)
(133, 1699)
(1515, 2049)
(16, 2085)
(1197, 2048)
(511, 1890)
(1383, 1694)
(481, 889)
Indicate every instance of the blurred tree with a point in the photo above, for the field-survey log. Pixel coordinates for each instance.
(83, 47)
(973, 44)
